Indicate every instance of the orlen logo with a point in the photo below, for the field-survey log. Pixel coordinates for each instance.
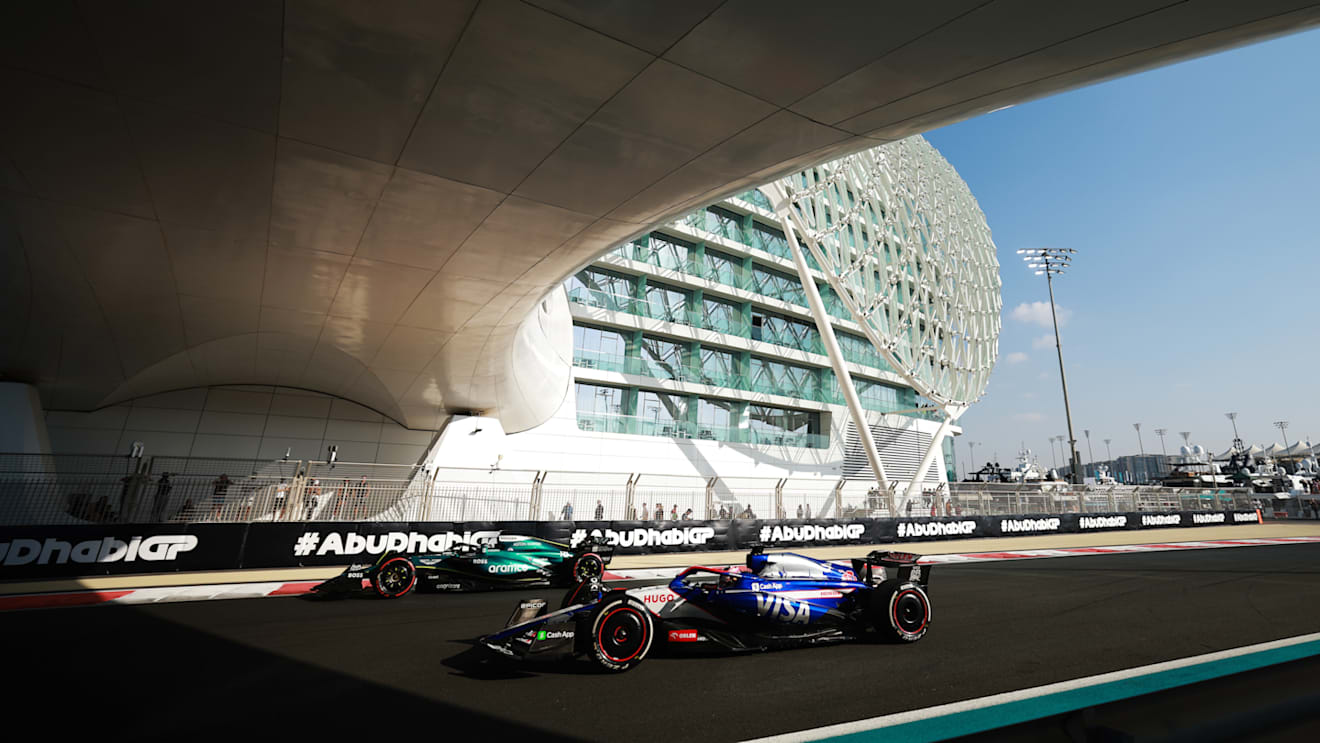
(683, 635)
(159, 548)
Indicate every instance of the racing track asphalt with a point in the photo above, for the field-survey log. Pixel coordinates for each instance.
(293, 666)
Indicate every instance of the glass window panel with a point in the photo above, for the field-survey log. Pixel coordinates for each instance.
(661, 408)
(718, 367)
(715, 413)
(595, 399)
(665, 251)
(721, 316)
(663, 359)
(723, 268)
(665, 302)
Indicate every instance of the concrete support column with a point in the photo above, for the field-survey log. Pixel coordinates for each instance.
(22, 420)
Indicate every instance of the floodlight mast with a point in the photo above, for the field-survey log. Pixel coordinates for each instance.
(1052, 262)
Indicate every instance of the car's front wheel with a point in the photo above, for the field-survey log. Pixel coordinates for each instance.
(395, 578)
(621, 633)
(900, 612)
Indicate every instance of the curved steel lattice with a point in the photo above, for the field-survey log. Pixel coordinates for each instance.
(903, 243)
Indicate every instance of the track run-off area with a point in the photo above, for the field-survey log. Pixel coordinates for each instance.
(406, 667)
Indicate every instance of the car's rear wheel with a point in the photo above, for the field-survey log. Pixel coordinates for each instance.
(395, 578)
(588, 567)
(621, 633)
(901, 612)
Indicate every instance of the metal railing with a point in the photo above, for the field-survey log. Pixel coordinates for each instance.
(991, 499)
(46, 490)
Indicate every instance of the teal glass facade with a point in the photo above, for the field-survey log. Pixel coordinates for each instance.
(665, 291)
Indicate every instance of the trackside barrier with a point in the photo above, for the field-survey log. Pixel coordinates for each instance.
(73, 489)
(83, 550)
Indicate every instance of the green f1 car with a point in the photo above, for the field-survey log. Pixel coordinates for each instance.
(508, 561)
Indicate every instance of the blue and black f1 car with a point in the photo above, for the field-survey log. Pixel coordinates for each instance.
(508, 561)
(781, 600)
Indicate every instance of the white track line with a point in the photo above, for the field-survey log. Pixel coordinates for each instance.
(945, 710)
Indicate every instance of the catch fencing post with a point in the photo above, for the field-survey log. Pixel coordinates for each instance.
(534, 501)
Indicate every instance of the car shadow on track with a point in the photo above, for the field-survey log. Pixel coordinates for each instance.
(480, 663)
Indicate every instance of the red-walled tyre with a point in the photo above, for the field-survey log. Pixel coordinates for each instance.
(395, 578)
(901, 613)
(621, 633)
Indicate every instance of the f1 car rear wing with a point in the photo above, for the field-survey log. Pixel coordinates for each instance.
(879, 566)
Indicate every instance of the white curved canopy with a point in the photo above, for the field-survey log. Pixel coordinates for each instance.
(372, 199)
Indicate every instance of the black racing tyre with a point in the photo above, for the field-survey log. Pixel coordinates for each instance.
(395, 578)
(621, 633)
(588, 566)
(900, 612)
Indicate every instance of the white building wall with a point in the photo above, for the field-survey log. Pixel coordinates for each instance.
(243, 422)
(559, 445)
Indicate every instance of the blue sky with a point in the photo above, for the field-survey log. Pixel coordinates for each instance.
(1192, 195)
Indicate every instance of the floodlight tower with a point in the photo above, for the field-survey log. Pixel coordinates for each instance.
(1090, 455)
(1108, 453)
(1283, 429)
(1160, 432)
(1237, 440)
(1051, 262)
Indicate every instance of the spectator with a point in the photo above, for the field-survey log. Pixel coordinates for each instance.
(948, 508)
(659, 512)
(127, 496)
(673, 513)
(162, 497)
(632, 512)
(185, 512)
(646, 515)
(566, 513)
(724, 512)
(218, 495)
(101, 511)
(360, 507)
(799, 510)
(908, 508)
(806, 511)
(600, 511)
(687, 515)
(281, 492)
(313, 499)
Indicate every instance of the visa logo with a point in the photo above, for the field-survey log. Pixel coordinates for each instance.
(783, 610)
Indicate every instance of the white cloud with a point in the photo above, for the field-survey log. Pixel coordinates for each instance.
(1017, 357)
(1044, 341)
(1038, 313)
(1033, 417)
